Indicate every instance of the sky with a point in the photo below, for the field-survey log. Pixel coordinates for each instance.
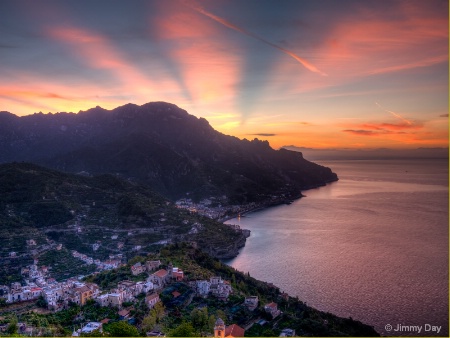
(317, 74)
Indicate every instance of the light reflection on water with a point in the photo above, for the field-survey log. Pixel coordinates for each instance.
(373, 249)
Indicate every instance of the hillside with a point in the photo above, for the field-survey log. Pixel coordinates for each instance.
(183, 311)
(163, 146)
(98, 216)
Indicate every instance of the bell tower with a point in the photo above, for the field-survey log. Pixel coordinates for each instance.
(219, 328)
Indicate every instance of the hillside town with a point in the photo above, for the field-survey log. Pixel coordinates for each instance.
(158, 279)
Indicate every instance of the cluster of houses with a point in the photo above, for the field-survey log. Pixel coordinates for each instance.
(205, 208)
(114, 262)
(212, 207)
(216, 286)
(59, 295)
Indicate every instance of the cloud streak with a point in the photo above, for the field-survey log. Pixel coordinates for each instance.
(394, 114)
(263, 134)
(360, 132)
(228, 24)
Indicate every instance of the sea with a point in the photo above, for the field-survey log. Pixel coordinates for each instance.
(373, 246)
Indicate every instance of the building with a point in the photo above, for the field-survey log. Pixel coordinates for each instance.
(91, 327)
(219, 328)
(177, 274)
(151, 300)
(159, 278)
(124, 314)
(251, 302)
(152, 265)
(102, 300)
(147, 286)
(272, 309)
(203, 287)
(234, 331)
(82, 294)
(287, 333)
(219, 288)
(115, 299)
(137, 268)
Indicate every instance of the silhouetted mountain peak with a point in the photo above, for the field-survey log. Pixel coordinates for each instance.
(163, 146)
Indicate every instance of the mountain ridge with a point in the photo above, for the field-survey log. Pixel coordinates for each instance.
(158, 143)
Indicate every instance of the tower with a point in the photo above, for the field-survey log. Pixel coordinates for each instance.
(219, 328)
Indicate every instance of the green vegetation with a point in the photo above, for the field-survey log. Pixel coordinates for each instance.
(97, 216)
(64, 265)
(122, 329)
(107, 280)
(185, 329)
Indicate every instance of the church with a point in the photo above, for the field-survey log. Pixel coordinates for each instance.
(230, 331)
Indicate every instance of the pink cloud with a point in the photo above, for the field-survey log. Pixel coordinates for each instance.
(205, 58)
(99, 53)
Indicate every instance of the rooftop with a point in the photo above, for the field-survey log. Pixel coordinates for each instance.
(161, 273)
(92, 326)
(234, 331)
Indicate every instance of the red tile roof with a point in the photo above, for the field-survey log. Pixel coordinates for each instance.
(151, 297)
(161, 273)
(176, 294)
(234, 331)
(124, 312)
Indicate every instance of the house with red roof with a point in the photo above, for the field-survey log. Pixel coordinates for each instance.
(159, 278)
(234, 331)
(272, 309)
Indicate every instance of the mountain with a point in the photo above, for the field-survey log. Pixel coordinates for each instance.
(98, 216)
(173, 152)
(371, 154)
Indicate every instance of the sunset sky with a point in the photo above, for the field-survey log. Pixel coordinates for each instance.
(319, 74)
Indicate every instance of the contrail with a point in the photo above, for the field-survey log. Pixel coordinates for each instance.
(394, 114)
(224, 22)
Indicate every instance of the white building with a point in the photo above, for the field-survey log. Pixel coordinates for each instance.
(151, 300)
(203, 287)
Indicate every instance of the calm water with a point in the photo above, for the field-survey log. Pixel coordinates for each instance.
(373, 246)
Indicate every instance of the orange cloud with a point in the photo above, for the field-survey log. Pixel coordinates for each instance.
(99, 53)
(392, 126)
(28, 93)
(8, 92)
(204, 59)
(360, 132)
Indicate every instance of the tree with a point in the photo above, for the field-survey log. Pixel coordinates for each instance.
(233, 280)
(41, 302)
(211, 323)
(222, 315)
(158, 311)
(123, 329)
(12, 327)
(154, 317)
(148, 323)
(200, 319)
(184, 330)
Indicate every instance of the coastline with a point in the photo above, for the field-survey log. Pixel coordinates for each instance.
(234, 250)
(261, 206)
